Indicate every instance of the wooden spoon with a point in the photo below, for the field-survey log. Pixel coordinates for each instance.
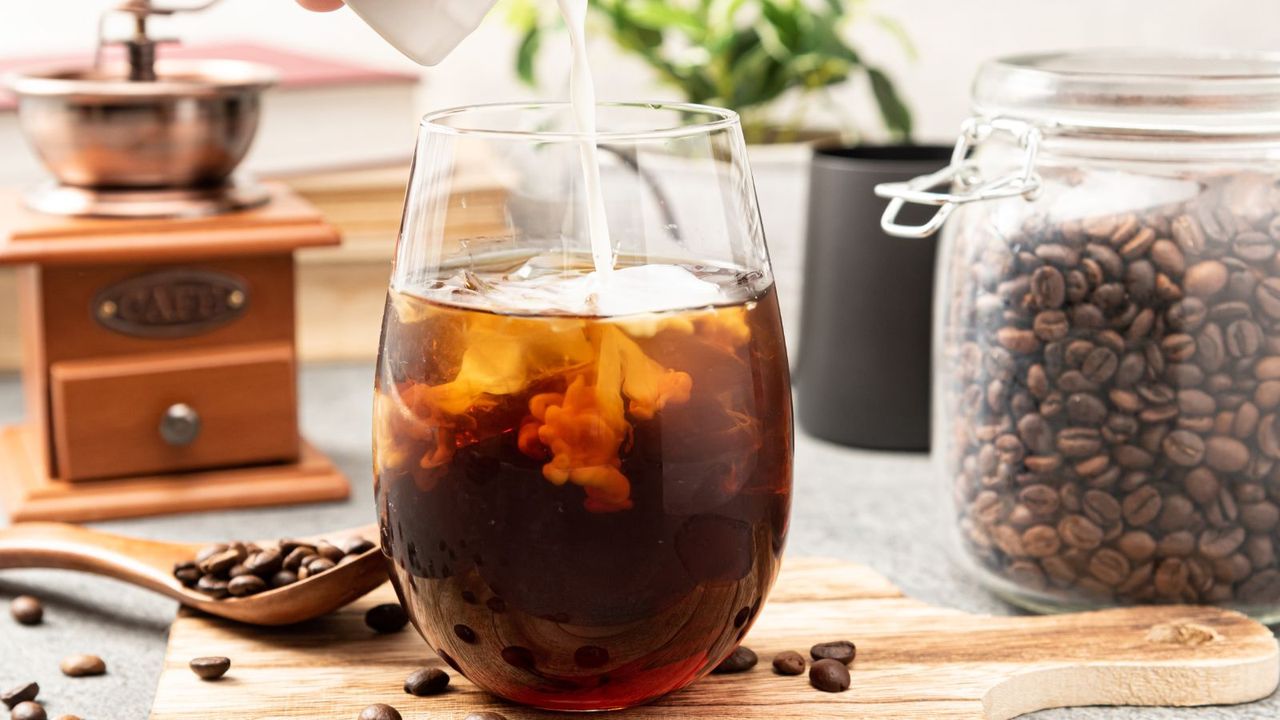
(149, 564)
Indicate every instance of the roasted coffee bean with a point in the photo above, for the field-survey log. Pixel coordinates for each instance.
(245, 585)
(27, 610)
(842, 650)
(1137, 545)
(1079, 442)
(1215, 544)
(187, 573)
(1109, 566)
(485, 715)
(789, 662)
(19, 694)
(1226, 454)
(82, 665)
(741, 659)
(1080, 532)
(329, 552)
(386, 618)
(380, 712)
(29, 710)
(1050, 325)
(426, 681)
(319, 565)
(829, 676)
(264, 564)
(356, 546)
(1048, 287)
(1183, 447)
(210, 668)
(212, 586)
(282, 578)
(1205, 279)
(221, 563)
(297, 557)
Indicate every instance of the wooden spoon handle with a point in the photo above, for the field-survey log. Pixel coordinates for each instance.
(70, 547)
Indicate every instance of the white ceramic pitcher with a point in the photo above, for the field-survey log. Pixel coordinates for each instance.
(424, 30)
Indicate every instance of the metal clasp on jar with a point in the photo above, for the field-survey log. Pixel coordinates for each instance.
(962, 177)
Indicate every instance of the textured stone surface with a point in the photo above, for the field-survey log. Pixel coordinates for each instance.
(883, 509)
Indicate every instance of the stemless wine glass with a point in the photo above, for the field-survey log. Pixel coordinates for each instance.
(583, 478)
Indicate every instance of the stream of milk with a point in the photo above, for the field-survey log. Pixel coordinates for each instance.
(582, 95)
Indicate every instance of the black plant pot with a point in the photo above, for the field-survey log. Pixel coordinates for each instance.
(862, 370)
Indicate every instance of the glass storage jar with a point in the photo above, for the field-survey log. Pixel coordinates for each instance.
(1107, 329)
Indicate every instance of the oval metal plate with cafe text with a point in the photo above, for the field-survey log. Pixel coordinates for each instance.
(171, 303)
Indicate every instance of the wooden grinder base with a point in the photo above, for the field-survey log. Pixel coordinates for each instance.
(29, 494)
(914, 661)
(125, 320)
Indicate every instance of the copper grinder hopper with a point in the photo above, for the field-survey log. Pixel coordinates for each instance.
(143, 137)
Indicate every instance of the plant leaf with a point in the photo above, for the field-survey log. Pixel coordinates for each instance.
(894, 112)
(899, 33)
(527, 55)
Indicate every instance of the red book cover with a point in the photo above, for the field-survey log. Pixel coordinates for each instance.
(297, 69)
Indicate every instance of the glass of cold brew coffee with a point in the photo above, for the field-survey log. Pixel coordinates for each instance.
(582, 431)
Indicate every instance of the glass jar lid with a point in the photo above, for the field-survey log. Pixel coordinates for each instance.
(1147, 92)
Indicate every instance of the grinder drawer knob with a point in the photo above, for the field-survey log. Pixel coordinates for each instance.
(180, 424)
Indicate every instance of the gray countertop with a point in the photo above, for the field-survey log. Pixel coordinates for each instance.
(870, 507)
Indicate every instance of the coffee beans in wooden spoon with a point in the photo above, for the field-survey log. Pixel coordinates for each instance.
(238, 569)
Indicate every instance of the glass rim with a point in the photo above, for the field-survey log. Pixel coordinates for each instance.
(1187, 91)
(719, 119)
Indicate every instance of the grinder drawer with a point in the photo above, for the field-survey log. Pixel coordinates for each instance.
(165, 412)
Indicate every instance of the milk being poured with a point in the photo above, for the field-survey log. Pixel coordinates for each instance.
(582, 94)
(427, 30)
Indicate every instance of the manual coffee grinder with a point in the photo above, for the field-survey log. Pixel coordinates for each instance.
(156, 295)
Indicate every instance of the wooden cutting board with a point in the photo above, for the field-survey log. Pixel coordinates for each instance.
(914, 660)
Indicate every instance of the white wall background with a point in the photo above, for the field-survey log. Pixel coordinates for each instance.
(953, 36)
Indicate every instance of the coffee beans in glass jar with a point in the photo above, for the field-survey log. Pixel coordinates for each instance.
(1107, 383)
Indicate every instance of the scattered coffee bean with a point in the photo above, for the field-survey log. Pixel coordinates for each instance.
(427, 681)
(82, 665)
(239, 569)
(1115, 410)
(741, 659)
(68, 717)
(27, 610)
(210, 668)
(21, 693)
(829, 675)
(841, 650)
(789, 662)
(485, 715)
(28, 710)
(387, 618)
(380, 712)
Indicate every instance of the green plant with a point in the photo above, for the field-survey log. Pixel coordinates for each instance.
(741, 54)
